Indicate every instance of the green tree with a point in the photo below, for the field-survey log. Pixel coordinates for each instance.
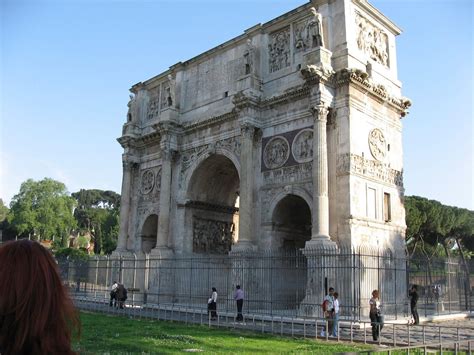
(97, 215)
(3, 211)
(433, 227)
(42, 210)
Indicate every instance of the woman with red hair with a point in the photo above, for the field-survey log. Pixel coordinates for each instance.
(37, 316)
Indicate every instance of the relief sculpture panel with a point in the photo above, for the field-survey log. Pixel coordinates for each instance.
(279, 50)
(211, 236)
(149, 184)
(377, 144)
(372, 40)
(302, 147)
(153, 109)
(356, 164)
(276, 152)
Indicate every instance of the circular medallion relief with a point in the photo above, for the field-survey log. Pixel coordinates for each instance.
(377, 144)
(276, 152)
(302, 147)
(148, 181)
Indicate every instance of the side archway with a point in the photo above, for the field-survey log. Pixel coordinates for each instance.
(290, 216)
(148, 233)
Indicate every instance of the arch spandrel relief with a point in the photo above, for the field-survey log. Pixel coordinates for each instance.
(276, 152)
(190, 158)
(377, 144)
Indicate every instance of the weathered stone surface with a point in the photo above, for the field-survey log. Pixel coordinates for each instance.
(288, 136)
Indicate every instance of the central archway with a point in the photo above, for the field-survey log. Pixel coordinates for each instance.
(212, 206)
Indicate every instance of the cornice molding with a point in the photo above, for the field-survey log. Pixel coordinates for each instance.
(291, 94)
(360, 79)
(191, 127)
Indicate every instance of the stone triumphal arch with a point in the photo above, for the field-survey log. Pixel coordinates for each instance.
(287, 137)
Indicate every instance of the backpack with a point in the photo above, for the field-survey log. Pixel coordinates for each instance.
(325, 305)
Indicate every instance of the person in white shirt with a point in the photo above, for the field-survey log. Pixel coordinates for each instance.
(113, 294)
(212, 304)
(335, 326)
(239, 299)
(375, 315)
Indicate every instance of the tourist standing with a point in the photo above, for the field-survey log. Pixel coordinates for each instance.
(413, 304)
(212, 304)
(121, 295)
(328, 311)
(113, 294)
(376, 319)
(335, 326)
(239, 299)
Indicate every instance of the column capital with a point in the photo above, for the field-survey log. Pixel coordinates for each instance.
(320, 112)
(247, 130)
(168, 153)
(129, 161)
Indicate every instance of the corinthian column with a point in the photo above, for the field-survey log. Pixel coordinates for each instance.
(320, 230)
(165, 198)
(125, 204)
(246, 189)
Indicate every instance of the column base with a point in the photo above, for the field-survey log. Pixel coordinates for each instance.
(121, 252)
(243, 246)
(162, 252)
(320, 241)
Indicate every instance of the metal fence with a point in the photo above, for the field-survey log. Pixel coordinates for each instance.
(279, 284)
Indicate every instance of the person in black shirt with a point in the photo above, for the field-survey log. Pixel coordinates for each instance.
(413, 301)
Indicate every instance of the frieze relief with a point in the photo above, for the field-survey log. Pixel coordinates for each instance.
(356, 164)
(289, 174)
(276, 152)
(211, 236)
(372, 40)
(279, 50)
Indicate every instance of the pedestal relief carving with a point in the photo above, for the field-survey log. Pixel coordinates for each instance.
(302, 147)
(371, 40)
(356, 164)
(276, 152)
(377, 144)
(211, 236)
(279, 50)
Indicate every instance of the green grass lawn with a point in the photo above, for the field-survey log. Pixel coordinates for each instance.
(104, 334)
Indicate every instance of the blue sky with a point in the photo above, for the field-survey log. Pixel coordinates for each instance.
(66, 67)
